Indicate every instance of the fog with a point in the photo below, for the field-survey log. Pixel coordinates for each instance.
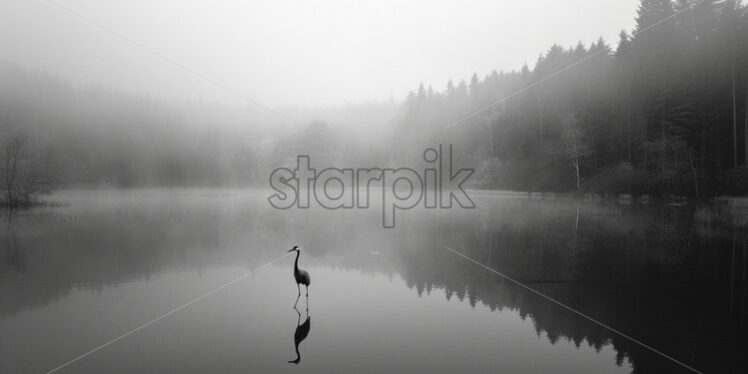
(293, 52)
(576, 96)
(453, 186)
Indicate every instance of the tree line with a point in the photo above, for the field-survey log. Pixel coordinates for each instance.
(55, 134)
(665, 113)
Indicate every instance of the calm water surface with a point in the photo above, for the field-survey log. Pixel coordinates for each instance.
(98, 264)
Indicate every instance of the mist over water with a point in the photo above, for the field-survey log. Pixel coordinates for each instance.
(379, 186)
(104, 262)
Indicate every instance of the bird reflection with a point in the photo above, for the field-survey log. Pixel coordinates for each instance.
(302, 331)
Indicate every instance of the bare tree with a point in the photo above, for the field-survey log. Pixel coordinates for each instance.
(24, 174)
(573, 149)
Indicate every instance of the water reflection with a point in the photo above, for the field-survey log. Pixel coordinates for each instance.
(301, 332)
(14, 254)
(658, 274)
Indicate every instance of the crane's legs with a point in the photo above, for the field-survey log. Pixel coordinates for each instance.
(298, 296)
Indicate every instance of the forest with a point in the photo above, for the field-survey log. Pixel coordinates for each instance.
(663, 113)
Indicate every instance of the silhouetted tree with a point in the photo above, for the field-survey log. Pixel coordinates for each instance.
(25, 174)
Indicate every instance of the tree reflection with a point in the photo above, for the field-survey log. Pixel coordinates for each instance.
(657, 274)
(646, 273)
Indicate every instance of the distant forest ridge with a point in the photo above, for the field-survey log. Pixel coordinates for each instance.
(100, 137)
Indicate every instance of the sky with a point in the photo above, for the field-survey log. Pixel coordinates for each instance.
(300, 52)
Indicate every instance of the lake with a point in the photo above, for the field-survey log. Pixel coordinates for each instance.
(94, 265)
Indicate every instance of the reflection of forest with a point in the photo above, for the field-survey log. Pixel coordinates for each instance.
(651, 273)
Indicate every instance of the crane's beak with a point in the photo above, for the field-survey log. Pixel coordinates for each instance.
(290, 250)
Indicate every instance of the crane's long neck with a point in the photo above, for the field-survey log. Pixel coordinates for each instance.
(296, 263)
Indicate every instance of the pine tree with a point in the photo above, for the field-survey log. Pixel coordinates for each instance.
(651, 12)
